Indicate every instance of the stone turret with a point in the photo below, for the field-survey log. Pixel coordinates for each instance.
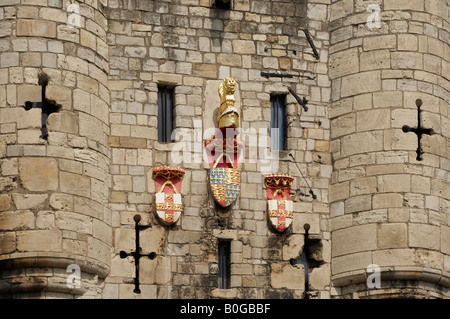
(54, 219)
(389, 190)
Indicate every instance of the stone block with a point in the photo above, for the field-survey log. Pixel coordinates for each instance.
(343, 63)
(373, 119)
(354, 239)
(415, 5)
(7, 242)
(294, 247)
(407, 42)
(36, 28)
(361, 186)
(99, 250)
(394, 257)
(132, 142)
(39, 174)
(244, 47)
(209, 71)
(420, 184)
(17, 220)
(395, 183)
(155, 238)
(424, 236)
(358, 204)
(359, 83)
(5, 202)
(319, 277)
(74, 222)
(395, 139)
(387, 201)
(361, 143)
(392, 235)
(75, 184)
(341, 34)
(374, 60)
(29, 201)
(445, 240)
(351, 262)
(9, 167)
(61, 95)
(406, 60)
(401, 117)
(380, 42)
(91, 127)
(66, 122)
(387, 99)
(283, 275)
(341, 9)
(343, 125)
(45, 220)
(339, 191)
(39, 240)
(301, 219)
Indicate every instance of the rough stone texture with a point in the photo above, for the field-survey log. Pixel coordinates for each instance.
(43, 181)
(377, 181)
(73, 197)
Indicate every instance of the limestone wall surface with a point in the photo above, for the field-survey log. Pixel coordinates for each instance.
(366, 190)
(389, 206)
(192, 46)
(55, 189)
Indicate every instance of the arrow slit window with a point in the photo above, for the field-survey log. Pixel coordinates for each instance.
(224, 264)
(165, 114)
(278, 122)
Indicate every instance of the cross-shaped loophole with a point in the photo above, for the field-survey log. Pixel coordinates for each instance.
(47, 106)
(419, 131)
(137, 253)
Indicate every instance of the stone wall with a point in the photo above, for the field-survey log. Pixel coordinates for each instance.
(388, 207)
(54, 208)
(360, 194)
(192, 46)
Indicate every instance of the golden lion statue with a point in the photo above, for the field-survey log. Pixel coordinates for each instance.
(227, 116)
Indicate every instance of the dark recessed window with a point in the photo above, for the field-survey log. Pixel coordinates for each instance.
(277, 122)
(224, 264)
(223, 4)
(165, 114)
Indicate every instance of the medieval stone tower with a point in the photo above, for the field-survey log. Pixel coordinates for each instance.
(100, 98)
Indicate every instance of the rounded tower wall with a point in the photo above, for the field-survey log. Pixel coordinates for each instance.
(54, 188)
(389, 193)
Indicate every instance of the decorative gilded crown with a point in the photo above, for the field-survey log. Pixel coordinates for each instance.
(168, 172)
(279, 181)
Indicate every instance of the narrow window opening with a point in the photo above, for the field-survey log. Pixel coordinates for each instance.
(277, 123)
(165, 114)
(224, 264)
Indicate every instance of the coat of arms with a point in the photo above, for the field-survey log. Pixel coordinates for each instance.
(281, 210)
(223, 149)
(168, 193)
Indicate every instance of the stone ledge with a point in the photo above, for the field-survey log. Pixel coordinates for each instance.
(224, 293)
(53, 260)
(434, 276)
(33, 284)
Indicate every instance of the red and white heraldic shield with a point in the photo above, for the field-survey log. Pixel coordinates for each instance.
(168, 193)
(281, 209)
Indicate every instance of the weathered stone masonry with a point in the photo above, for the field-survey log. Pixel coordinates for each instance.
(72, 199)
